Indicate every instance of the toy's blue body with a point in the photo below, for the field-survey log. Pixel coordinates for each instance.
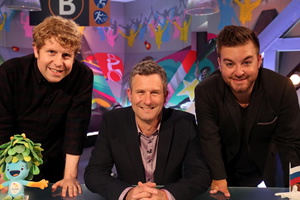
(19, 161)
(16, 173)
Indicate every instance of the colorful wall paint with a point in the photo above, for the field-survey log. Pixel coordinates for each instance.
(141, 28)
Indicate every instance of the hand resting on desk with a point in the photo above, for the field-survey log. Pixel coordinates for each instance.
(219, 185)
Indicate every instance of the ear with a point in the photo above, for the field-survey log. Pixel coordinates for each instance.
(35, 50)
(129, 94)
(219, 62)
(259, 60)
(166, 96)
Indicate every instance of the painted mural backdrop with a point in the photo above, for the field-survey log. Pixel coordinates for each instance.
(151, 32)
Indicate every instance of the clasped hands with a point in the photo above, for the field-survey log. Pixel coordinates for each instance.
(145, 191)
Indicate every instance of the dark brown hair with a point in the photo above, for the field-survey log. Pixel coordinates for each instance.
(232, 36)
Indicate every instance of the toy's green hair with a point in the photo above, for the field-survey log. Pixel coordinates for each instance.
(23, 149)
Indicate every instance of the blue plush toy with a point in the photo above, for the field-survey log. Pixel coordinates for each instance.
(19, 162)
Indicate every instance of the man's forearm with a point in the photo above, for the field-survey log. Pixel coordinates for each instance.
(71, 166)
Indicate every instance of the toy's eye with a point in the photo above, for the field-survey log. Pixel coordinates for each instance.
(22, 168)
(8, 170)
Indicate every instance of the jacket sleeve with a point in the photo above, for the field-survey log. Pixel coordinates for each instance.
(287, 130)
(98, 173)
(209, 132)
(6, 105)
(196, 178)
(79, 113)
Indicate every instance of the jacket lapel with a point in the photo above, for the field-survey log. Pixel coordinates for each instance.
(233, 108)
(164, 144)
(255, 103)
(131, 141)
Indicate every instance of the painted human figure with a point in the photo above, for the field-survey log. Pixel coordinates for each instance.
(131, 36)
(227, 13)
(246, 9)
(27, 28)
(159, 33)
(184, 29)
(154, 25)
(110, 36)
(176, 18)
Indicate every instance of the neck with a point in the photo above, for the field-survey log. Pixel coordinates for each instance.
(244, 105)
(243, 99)
(147, 128)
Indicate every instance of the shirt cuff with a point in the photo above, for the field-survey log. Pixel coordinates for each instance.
(169, 195)
(123, 194)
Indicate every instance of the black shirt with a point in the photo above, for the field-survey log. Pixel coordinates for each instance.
(53, 114)
(244, 169)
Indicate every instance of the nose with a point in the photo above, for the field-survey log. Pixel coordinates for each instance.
(58, 61)
(239, 71)
(147, 99)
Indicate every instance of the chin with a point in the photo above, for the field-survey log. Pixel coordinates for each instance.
(240, 91)
(56, 80)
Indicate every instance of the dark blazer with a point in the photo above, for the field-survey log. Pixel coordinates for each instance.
(273, 124)
(179, 167)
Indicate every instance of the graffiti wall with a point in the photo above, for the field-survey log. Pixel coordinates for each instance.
(156, 28)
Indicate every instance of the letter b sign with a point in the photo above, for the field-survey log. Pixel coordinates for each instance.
(66, 7)
(83, 12)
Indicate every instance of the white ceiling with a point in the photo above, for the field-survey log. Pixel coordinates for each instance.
(122, 1)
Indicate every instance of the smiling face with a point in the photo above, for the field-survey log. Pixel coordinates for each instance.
(147, 98)
(239, 67)
(54, 61)
(17, 171)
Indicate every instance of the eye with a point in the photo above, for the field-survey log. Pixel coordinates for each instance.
(66, 55)
(229, 64)
(51, 52)
(22, 168)
(248, 62)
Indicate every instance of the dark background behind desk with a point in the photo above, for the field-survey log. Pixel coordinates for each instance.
(243, 193)
(236, 194)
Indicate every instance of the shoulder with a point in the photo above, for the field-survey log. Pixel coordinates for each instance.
(211, 89)
(119, 119)
(212, 82)
(14, 64)
(81, 77)
(183, 124)
(81, 68)
(274, 82)
(119, 113)
(177, 115)
(269, 75)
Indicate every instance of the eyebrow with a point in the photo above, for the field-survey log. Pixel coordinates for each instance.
(228, 60)
(248, 57)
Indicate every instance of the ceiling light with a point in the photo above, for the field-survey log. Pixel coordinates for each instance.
(30, 5)
(202, 7)
(295, 78)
